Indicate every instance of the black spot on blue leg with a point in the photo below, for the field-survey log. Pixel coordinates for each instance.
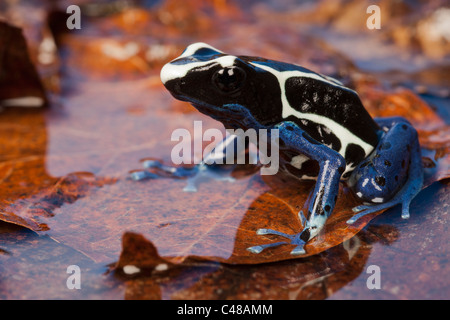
(381, 181)
(305, 235)
(396, 176)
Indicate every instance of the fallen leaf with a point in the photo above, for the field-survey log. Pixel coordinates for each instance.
(314, 277)
(107, 127)
(64, 171)
(31, 18)
(20, 84)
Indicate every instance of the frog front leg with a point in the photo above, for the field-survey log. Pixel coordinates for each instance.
(393, 173)
(209, 168)
(331, 164)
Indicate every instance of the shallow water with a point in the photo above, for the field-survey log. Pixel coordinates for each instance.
(64, 170)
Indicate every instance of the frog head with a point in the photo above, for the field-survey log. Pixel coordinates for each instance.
(225, 87)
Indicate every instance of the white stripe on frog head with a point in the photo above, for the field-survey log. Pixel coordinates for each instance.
(172, 71)
(193, 48)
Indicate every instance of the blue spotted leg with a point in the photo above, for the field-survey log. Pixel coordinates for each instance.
(392, 174)
(331, 164)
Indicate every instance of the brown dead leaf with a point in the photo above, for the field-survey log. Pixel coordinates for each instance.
(18, 78)
(276, 209)
(31, 18)
(314, 277)
(106, 128)
(389, 243)
(64, 170)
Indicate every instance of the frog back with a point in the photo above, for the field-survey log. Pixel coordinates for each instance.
(329, 112)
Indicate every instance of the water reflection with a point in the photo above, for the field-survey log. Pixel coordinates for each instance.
(315, 277)
(29, 194)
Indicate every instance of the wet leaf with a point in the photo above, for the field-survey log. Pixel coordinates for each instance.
(64, 172)
(314, 277)
(31, 18)
(219, 222)
(20, 84)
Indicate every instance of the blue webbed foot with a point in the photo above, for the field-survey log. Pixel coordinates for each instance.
(403, 197)
(155, 169)
(295, 239)
(214, 166)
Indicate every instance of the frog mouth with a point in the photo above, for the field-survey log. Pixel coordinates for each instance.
(205, 108)
(213, 112)
(223, 114)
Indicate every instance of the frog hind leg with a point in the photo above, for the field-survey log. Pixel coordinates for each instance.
(392, 174)
(211, 167)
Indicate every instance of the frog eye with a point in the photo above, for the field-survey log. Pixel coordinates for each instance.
(229, 79)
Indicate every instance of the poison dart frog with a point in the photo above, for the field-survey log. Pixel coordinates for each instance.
(324, 130)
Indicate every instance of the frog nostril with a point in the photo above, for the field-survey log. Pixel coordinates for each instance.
(176, 87)
(173, 86)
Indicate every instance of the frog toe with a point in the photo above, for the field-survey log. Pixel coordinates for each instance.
(365, 210)
(293, 239)
(405, 210)
(299, 250)
(260, 248)
(139, 175)
(360, 208)
(263, 231)
(154, 169)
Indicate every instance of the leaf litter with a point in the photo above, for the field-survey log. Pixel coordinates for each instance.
(64, 170)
